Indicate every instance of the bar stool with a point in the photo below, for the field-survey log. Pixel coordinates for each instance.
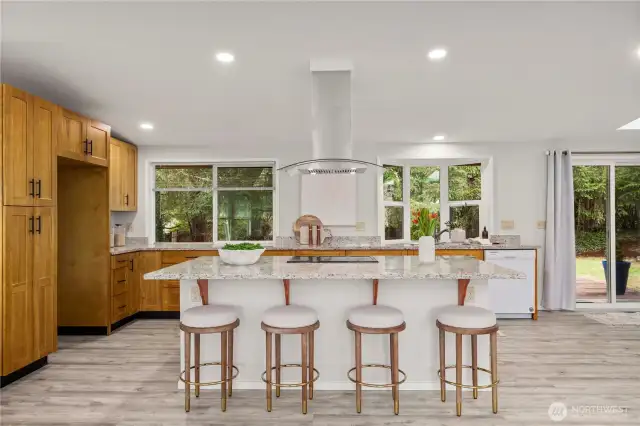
(209, 319)
(291, 319)
(468, 321)
(377, 319)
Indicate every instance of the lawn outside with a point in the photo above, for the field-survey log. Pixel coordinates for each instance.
(591, 283)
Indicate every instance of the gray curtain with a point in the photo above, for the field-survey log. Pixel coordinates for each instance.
(559, 290)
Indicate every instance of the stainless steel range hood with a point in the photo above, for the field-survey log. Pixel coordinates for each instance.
(331, 117)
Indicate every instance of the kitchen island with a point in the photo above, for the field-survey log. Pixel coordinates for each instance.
(419, 290)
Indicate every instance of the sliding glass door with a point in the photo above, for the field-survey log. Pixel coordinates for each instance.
(607, 221)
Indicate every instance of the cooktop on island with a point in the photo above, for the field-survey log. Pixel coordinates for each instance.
(332, 259)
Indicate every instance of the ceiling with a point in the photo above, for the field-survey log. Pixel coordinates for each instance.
(516, 72)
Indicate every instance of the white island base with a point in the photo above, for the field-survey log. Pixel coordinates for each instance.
(419, 300)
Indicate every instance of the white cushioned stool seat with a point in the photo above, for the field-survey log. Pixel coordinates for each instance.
(290, 316)
(206, 316)
(467, 317)
(376, 316)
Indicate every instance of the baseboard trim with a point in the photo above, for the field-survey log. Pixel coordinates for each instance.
(116, 325)
(82, 330)
(24, 371)
(158, 315)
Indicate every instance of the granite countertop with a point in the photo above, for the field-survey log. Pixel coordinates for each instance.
(388, 267)
(335, 243)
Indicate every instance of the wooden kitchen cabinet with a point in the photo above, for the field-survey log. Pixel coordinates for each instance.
(83, 139)
(171, 296)
(123, 193)
(44, 282)
(29, 140)
(150, 290)
(134, 283)
(29, 286)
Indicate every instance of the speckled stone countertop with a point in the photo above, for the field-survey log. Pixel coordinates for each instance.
(388, 267)
(335, 243)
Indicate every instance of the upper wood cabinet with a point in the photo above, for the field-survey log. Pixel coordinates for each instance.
(83, 139)
(29, 143)
(45, 161)
(123, 171)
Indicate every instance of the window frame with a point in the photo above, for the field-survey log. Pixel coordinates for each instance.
(484, 204)
(215, 189)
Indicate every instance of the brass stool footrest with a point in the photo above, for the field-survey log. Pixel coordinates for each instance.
(460, 385)
(376, 385)
(235, 369)
(290, 385)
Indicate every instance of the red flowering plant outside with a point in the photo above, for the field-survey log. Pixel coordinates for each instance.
(423, 223)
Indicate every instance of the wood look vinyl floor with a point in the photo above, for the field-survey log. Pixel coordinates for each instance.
(129, 378)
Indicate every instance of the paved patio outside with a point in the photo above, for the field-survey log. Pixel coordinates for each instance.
(589, 289)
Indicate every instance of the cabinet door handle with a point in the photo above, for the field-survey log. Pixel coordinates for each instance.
(31, 225)
(86, 146)
(90, 143)
(122, 281)
(126, 200)
(131, 265)
(123, 306)
(32, 188)
(39, 188)
(39, 226)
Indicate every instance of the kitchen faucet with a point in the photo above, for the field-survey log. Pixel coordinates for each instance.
(436, 235)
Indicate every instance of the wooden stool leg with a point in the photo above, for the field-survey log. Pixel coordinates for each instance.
(494, 370)
(196, 355)
(278, 364)
(304, 356)
(458, 374)
(311, 363)
(223, 370)
(230, 361)
(393, 389)
(269, 351)
(443, 362)
(358, 371)
(187, 370)
(474, 364)
(394, 371)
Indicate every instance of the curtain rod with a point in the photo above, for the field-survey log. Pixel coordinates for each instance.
(598, 152)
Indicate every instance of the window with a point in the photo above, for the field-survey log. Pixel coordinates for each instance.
(422, 199)
(206, 203)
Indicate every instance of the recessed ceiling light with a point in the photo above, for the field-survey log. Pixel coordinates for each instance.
(438, 138)
(146, 126)
(634, 125)
(437, 54)
(225, 57)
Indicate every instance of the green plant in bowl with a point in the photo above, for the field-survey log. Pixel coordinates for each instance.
(243, 246)
(241, 253)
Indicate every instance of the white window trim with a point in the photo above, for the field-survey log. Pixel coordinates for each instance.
(485, 203)
(150, 194)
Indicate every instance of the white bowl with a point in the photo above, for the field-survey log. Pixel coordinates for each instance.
(240, 257)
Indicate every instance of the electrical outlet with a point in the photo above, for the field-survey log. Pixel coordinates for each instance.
(542, 224)
(471, 293)
(507, 224)
(195, 294)
(360, 226)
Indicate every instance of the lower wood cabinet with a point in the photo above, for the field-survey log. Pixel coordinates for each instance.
(29, 322)
(171, 296)
(150, 290)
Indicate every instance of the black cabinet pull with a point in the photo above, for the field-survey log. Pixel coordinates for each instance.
(126, 200)
(31, 225)
(122, 281)
(32, 187)
(131, 265)
(39, 188)
(122, 307)
(90, 143)
(39, 226)
(86, 146)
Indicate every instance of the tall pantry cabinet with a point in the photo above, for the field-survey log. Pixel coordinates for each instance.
(28, 308)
